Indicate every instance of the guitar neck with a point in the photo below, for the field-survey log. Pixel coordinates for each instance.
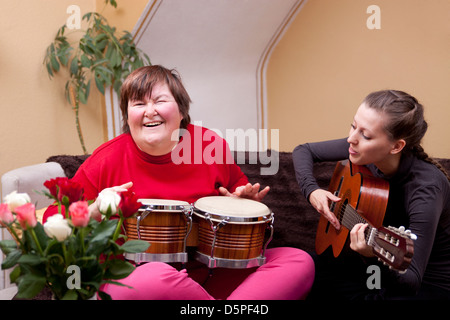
(349, 217)
(389, 245)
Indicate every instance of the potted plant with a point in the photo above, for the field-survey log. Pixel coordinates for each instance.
(100, 54)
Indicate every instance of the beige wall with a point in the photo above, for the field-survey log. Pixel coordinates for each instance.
(328, 61)
(36, 121)
(125, 16)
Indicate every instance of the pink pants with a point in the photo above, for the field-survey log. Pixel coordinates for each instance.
(288, 274)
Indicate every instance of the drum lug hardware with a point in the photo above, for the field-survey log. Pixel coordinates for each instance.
(138, 220)
(269, 226)
(214, 229)
(188, 216)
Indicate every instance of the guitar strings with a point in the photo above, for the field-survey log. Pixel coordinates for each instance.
(348, 217)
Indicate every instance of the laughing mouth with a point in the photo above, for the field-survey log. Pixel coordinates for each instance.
(152, 124)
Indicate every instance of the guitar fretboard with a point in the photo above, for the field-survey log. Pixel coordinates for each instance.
(349, 217)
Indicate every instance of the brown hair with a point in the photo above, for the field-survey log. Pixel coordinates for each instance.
(139, 84)
(407, 121)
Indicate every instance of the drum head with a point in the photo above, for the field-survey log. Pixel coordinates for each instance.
(236, 209)
(163, 205)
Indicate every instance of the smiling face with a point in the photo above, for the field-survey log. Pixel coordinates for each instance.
(369, 142)
(153, 119)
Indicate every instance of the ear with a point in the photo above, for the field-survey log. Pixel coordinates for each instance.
(398, 146)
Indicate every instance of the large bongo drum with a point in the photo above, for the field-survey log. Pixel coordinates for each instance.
(232, 232)
(165, 224)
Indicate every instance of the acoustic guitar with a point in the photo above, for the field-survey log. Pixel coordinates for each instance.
(363, 200)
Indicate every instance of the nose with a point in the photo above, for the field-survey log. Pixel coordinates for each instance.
(150, 109)
(352, 137)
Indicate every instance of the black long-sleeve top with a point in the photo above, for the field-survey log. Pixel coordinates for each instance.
(419, 199)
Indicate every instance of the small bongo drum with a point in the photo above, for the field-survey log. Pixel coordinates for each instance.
(165, 224)
(232, 232)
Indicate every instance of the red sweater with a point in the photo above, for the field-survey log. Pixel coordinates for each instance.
(119, 161)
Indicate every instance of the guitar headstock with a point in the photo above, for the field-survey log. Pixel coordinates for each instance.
(394, 247)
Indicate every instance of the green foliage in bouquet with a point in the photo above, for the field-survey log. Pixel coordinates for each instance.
(71, 254)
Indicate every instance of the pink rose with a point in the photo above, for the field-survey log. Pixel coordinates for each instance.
(6, 215)
(26, 215)
(79, 213)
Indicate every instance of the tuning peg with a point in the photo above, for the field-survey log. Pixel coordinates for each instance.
(407, 232)
(411, 235)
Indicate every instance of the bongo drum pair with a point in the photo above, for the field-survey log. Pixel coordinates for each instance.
(232, 232)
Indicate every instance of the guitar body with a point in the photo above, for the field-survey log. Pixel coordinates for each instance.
(358, 188)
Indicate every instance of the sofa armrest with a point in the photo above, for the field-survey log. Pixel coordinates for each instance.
(30, 179)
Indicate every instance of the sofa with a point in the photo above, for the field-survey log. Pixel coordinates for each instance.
(295, 221)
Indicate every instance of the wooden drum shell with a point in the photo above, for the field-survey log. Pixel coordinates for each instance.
(231, 229)
(233, 241)
(165, 230)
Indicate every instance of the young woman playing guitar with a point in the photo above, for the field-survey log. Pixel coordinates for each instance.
(385, 137)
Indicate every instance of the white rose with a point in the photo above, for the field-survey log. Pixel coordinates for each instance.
(58, 227)
(108, 198)
(15, 200)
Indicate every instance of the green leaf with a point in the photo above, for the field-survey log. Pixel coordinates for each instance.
(7, 246)
(30, 285)
(135, 246)
(85, 62)
(82, 96)
(63, 53)
(101, 236)
(119, 269)
(41, 235)
(113, 3)
(70, 295)
(100, 86)
(104, 295)
(87, 89)
(54, 63)
(11, 259)
(49, 70)
(15, 274)
(30, 259)
(74, 66)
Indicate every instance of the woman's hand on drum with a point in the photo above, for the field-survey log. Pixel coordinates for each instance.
(94, 207)
(248, 191)
(320, 199)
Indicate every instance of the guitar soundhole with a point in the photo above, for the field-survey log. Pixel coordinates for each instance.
(328, 227)
(339, 213)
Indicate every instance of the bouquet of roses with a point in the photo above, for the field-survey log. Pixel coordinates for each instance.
(71, 254)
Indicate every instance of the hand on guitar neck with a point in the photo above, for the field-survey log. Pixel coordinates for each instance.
(358, 240)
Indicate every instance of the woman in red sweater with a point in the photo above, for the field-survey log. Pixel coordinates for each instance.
(161, 155)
